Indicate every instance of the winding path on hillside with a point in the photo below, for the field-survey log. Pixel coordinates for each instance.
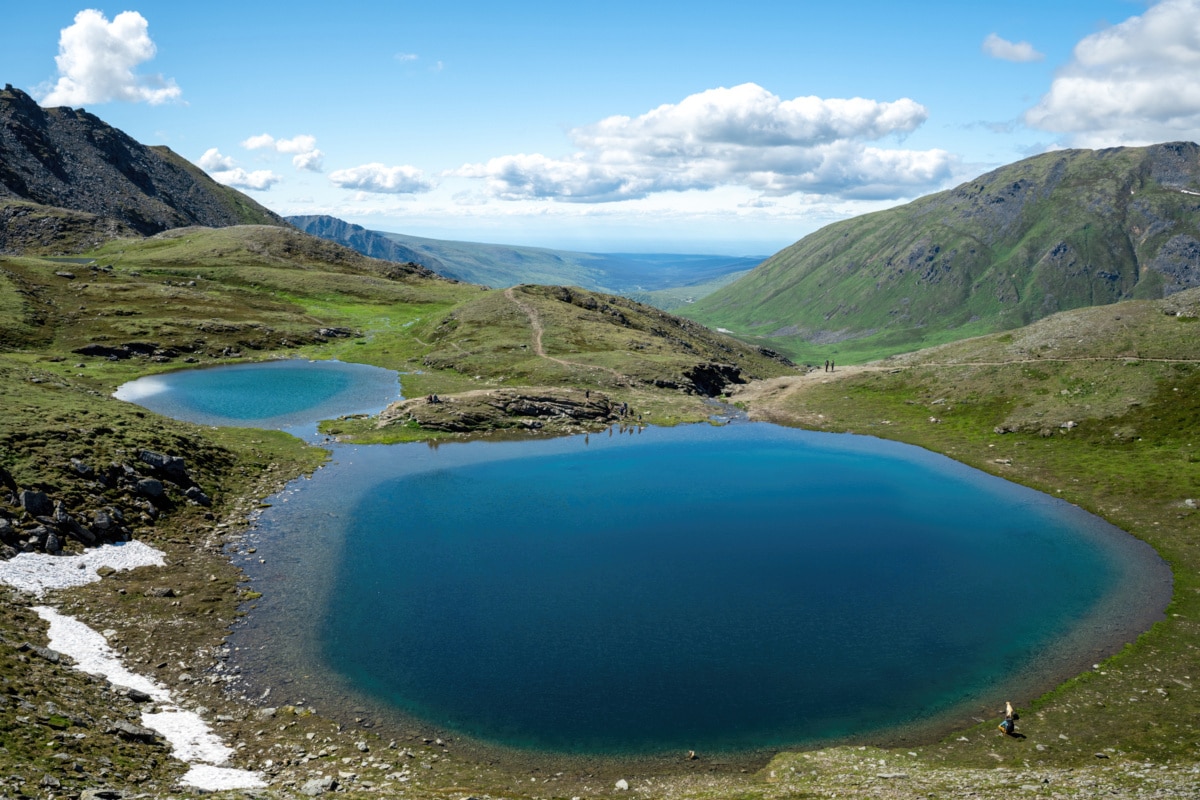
(535, 322)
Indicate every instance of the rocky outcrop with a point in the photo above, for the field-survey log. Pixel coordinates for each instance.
(550, 410)
(33, 520)
(70, 159)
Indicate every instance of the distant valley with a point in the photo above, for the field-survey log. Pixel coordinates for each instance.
(666, 281)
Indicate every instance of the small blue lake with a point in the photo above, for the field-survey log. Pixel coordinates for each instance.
(711, 588)
(282, 394)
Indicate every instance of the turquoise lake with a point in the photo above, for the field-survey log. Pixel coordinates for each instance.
(283, 394)
(712, 588)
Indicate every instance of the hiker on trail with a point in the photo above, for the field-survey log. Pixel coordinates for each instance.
(827, 365)
(1009, 726)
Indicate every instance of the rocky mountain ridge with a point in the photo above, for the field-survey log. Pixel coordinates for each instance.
(69, 159)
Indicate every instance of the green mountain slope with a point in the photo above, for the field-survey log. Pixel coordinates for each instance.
(1058, 231)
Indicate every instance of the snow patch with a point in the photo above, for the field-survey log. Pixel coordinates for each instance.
(190, 737)
(38, 573)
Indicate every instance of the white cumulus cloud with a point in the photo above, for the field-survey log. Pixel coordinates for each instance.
(998, 47)
(382, 179)
(1133, 83)
(739, 136)
(303, 149)
(213, 161)
(260, 180)
(225, 170)
(97, 58)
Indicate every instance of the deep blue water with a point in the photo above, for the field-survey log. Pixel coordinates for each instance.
(633, 593)
(692, 588)
(269, 394)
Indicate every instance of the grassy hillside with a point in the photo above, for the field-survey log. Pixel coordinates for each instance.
(1062, 230)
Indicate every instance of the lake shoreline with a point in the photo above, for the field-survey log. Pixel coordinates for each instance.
(1092, 646)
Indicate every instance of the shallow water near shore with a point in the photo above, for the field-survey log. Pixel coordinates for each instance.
(719, 589)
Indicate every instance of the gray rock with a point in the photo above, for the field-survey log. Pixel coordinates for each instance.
(136, 695)
(38, 536)
(173, 467)
(150, 487)
(137, 733)
(36, 503)
(52, 543)
(198, 497)
(319, 786)
(82, 469)
(160, 591)
(53, 656)
(100, 794)
(81, 533)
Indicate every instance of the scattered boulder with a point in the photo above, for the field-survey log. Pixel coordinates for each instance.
(174, 468)
(150, 487)
(319, 786)
(36, 503)
(137, 733)
(197, 496)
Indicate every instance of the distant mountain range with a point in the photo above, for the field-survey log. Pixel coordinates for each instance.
(1057, 231)
(508, 265)
(68, 180)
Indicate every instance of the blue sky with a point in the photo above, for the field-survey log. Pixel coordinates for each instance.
(624, 126)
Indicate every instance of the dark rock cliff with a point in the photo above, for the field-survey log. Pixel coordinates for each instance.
(369, 243)
(68, 158)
